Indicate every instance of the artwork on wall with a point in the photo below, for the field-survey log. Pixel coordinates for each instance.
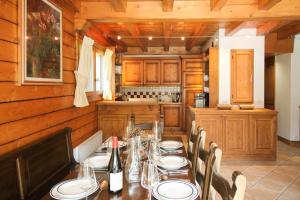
(41, 46)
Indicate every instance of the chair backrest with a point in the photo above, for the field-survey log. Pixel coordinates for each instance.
(222, 186)
(191, 140)
(204, 180)
(198, 144)
(35, 168)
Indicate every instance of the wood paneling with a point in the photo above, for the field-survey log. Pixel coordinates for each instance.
(132, 72)
(151, 72)
(172, 116)
(242, 75)
(31, 112)
(213, 77)
(195, 64)
(192, 79)
(270, 82)
(170, 72)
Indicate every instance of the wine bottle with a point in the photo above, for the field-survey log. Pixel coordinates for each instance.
(115, 169)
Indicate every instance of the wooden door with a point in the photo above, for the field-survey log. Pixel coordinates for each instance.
(270, 83)
(192, 79)
(132, 72)
(112, 125)
(213, 125)
(213, 77)
(172, 116)
(242, 76)
(235, 134)
(263, 134)
(151, 72)
(170, 72)
(192, 64)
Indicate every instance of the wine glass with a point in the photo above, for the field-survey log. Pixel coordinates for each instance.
(150, 175)
(87, 178)
(154, 151)
(156, 131)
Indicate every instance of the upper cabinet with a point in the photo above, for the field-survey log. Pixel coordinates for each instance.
(141, 71)
(192, 64)
(242, 76)
(170, 72)
(132, 73)
(151, 72)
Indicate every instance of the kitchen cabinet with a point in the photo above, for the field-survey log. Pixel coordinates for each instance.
(151, 72)
(172, 116)
(192, 64)
(132, 72)
(192, 79)
(241, 76)
(170, 72)
(213, 77)
(113, 125)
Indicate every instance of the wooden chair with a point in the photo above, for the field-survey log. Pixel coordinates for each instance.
(191, 140)
(222, 186)
(199, 143)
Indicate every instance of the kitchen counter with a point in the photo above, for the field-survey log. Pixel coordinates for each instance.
(127, 103)
(241, 134)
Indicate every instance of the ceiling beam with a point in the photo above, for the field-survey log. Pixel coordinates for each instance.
(134, 31)
(274, 46)
(217, 4)
(270, 26)
(167, 31)
(93, 32)
(289, 30)
(198, 31)
(120, 45)
(233, 27)
(119, 5)
(267, 4)
(193, 10)
(167, 5)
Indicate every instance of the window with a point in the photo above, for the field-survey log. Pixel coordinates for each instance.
(99, 73)
(90, 85)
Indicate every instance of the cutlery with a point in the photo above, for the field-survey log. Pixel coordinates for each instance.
(177, 171)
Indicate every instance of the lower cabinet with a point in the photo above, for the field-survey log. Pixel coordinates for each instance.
(172, 116)
(112, 125)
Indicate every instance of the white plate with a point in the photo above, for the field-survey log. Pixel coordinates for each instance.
(175, 190)
(172, 162)
(98, 162)
(70, 189)
(170, 144)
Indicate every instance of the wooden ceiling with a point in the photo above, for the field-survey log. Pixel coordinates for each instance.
(166, 21)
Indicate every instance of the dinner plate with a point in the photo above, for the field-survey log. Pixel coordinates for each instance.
(98, 162)
(170, 144)
(175, 190)
(71, 189)
(172, 162)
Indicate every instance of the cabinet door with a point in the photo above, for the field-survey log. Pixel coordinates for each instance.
(112, 125)
(151, 72)
(213, 125)
(193, 64)
(172, 116)
(235, 134)
(170, 72)
(132, 72)
(140, 119)
(263, 134)
(192, 79)
(242, 76)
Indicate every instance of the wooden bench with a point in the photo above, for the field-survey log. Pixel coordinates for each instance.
(31, 171)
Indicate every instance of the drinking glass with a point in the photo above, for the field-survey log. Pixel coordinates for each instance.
(87, 177)
(156, 131)
(150, 175)
(154, 151)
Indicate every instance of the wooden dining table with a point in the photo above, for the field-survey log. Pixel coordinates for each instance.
(131, 190)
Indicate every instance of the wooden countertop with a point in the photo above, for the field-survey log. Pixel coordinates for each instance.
(218, 111)
(127, 103)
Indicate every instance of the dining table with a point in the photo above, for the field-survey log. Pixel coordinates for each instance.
(131, 190)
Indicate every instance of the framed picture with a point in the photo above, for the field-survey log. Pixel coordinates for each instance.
(41, 42)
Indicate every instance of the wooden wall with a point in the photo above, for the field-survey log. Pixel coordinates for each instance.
(27, 112)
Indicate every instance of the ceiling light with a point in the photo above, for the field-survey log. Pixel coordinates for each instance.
(150, 38)
(119, 37)
(182, 38)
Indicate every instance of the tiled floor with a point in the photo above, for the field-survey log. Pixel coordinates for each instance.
(270, 180)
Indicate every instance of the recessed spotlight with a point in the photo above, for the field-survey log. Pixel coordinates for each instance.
(180, 22)
(182, 38)
(119, 37)
(150, 38)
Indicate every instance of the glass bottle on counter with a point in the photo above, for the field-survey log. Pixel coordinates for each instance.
(132, 166)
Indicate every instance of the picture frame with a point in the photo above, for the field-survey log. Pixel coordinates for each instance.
(40, 45)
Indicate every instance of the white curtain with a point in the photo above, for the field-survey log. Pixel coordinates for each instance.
(107, 71)
(83, 72)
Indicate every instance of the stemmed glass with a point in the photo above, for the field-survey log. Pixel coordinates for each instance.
(87, 177)
(154, 151)
(150, 176)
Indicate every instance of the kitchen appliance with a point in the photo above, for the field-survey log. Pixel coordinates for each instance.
(201, 100)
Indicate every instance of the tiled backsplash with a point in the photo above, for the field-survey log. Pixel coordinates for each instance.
(149, 92)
